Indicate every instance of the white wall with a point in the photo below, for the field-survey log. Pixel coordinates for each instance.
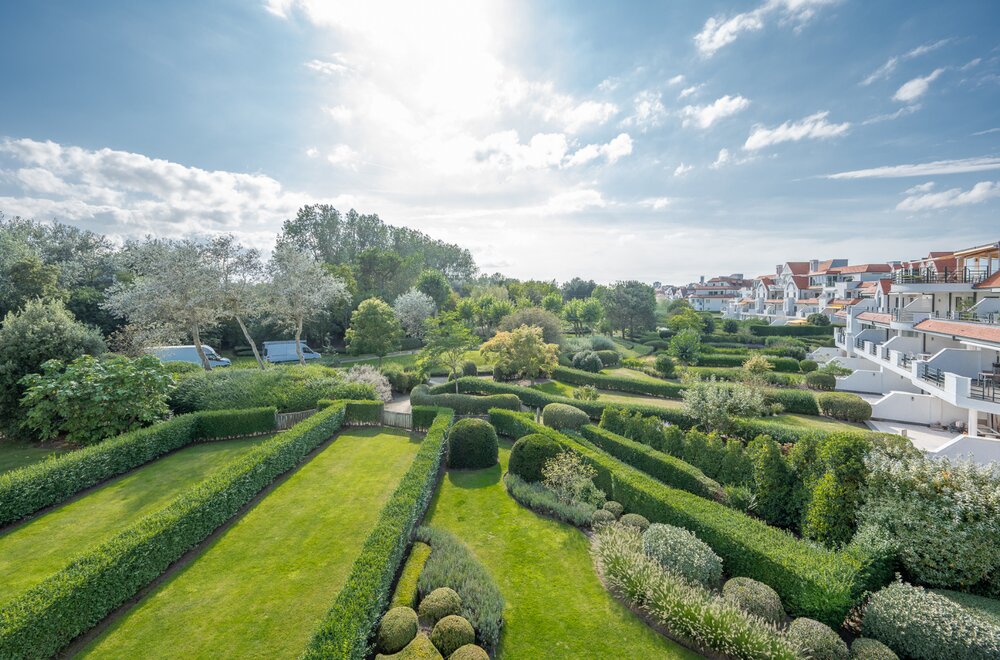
(874, 381)
(917, 409)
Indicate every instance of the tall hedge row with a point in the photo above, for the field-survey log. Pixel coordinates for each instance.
(347, 627)
(812, 581)
(463, 404)
(357, 412)
(42, 620)
(32, 488)
(668, 469)
(618, 383)
(780, 364)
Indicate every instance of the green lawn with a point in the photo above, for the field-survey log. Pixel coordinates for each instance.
(814, 422)
(32, 551)
(637, 350)
(16, 455)
(260, 589)
(562, 389)
(556, 606)
(623, 372)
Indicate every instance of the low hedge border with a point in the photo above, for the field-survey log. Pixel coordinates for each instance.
(617, 383)
(424, 416)
(812, 581)
(30, 489)
(357, 412)
(45, 618)
(350, 623)
(668, 469)
(792, 330)
(463, 404)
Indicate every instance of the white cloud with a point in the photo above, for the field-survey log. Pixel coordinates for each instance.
(683, 169)
(720, 31)
(920, 188)
(688, 91)
(987, 131)
(676, 80)
(617, 148)
(312, 152)
(704, 116)
(890, 65)
(336, 65)
(918, 200)
(901, 112)
(722, 159)
(649, 110)
(912, 90)
(572, 202)
(339, 113)
(935, 168)
(344, 156)
(586, 113)
(655, 203)
(812, 127)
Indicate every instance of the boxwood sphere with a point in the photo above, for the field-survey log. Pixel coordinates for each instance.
(683, 553)
(469, 652)
(438, 604)
(397, 629)
(601, 517)
(529, 455)
(756, 598)
(820, 640)
(562, 416)
(451, 633)
(615, 508)
(472, 444)
(864, 648)
(635, 520)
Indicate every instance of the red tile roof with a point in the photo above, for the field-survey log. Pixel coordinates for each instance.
(801, 281)
(864, 268)
(874, 317)
(980, 331)
(847, 302)
(798, 267)
(807, 301)
(991, 282)
(775, 301)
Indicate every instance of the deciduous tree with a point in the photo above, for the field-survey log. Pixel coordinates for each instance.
(374, 329)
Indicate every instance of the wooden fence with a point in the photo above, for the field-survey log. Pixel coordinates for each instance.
(285, 421)
(399, 420)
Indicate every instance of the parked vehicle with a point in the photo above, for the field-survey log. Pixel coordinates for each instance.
(284, 351)
(188, 354)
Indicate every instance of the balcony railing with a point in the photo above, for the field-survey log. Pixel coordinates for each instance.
(986, 388)
(859, 343)
(873, 349)
(945, 276)
(991, 318)
(905, 361)
(931, 375)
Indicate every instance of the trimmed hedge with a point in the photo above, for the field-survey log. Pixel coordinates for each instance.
(812, 581)
(564, 416)
(802, 402)
(424, 416)
(529, 455)
(780, 364)
(668, 469)
(472, 445)
(617, 383)
(609, 358)
(792, 330)
(463, 404)
(841, 405)
(820, 380)
(42, 620)
(406, 586)
(347, 627)
(32, 488)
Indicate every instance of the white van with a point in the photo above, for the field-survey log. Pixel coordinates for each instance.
(188, 354)
(284, 351)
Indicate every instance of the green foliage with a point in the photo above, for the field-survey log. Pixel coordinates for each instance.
(821, 380)
(755, 598)
(629, 306)
(685, 346)
(919, 624)
(535, 317)
(817, 639)
(472, 444)
(40, 332)
(397, 629)
(374, 329)
(609, 358)
(715, 404)
(439, 603)
(89, 400)
(537, 497)
(818, 319)
(685, 319)
(707, 323)
(463, 404)
(447, 340)
(571, 479)
(529, 455)
(599, 343)
(469, 652)
(401, 380)
(615, 508)
(434, 284)
(423, 416)
(713, 625)
(345, 630)
(775, 484)
(864, 648)
(665, 365)
(469, 368)
(45, 618)
(781, 364)
(453, 565)
(586, 393)
(682, 553)
(617, 383)
(587, 361)
(634, 520)
(830, 515)
(421, 648)
(791, 330)
(808, 366)
(32, 488)
(730, 326)
(562, 416)
(406, 587)
(452, 632)
(841, 405)
(601, 517)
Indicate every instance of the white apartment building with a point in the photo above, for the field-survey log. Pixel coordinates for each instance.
(716, 293)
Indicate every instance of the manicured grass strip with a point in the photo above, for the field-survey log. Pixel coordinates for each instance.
(406, 587)
(33, 551)
(812, 581)
(556, 606)
(261, 587)
(31, 489)
(650, 386)
(47, 617)
(19, 455)
(350, 623)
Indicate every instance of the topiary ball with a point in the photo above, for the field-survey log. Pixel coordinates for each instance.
(864, 648)
(452, 633)
(397, 629)
(469, 368)
(818, 640)
(472, 444)
(587, 361)
(601, 517)
(615, 508)
(683, 553)
(562, 416)
(755, 598)
(808, 366)
(438, 604)
(634, 520)
(469, 652)
(529, 455)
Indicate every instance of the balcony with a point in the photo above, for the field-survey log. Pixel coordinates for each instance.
(986, 388)
(932, 375)
(931, 276)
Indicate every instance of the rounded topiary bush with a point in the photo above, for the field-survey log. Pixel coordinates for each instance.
(469, 652)
(599, 343)
(601, 517)
(587, 361)
(438, 604)
(529, 455)
(469, 368)
(563, 416)
(451, 633)
(634, 520)
(609, 358)
(818, 640)
(421, 648)
(841, 405)
(864, 648)
(472, 444)
(397, 629)
(683, 553)
(615, 508)
(756, 598)
(819, 380)
(808, 366)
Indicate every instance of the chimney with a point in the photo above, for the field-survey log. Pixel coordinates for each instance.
(778, 269)
(702, 279)
(813, 265)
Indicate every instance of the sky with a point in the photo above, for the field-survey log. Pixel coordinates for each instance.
(658, 141)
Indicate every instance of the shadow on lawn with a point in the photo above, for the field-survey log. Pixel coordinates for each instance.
(475, 478)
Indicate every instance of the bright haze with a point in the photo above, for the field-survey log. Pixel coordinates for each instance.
(655, 141)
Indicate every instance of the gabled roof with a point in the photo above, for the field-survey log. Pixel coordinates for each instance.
(801, 281)
(798, 267)
(975, 331)
(864, 268)
(991, 282)
(874, 317)
(807, 301)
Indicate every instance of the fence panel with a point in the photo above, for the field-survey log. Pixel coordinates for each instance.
(285, 421)
(399, 420)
